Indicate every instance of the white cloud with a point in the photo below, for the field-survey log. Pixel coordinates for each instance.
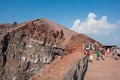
(118, 21)
(93, 26)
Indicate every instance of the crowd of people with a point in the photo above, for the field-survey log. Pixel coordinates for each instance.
(102, 52)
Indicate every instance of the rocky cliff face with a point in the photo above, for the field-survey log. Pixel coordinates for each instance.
(27, 47)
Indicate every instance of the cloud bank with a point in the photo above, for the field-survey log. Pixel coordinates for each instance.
(93, 26)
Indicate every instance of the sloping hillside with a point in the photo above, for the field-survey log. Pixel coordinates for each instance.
(26, 48)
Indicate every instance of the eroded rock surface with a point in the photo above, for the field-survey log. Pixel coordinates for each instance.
(27, 47)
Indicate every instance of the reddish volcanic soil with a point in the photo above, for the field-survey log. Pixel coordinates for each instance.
(33, 45)
(108, 69)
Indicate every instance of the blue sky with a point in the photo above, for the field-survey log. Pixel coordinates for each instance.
(67, 13)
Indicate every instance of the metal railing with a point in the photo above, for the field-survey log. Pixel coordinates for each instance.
(78, 71)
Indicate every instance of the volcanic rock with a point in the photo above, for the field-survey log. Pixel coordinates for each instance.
(27, 47)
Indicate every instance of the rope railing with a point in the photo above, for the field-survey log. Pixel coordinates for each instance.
(78, 71)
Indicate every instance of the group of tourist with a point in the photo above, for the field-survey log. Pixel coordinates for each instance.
(102, 52)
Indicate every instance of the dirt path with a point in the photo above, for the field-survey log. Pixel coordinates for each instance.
(108, 69)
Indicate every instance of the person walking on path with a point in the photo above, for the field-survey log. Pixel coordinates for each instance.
(91, 57)
(103, 53)
(98, 54)
(108, 52)
(118, 54)
(113, 51)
